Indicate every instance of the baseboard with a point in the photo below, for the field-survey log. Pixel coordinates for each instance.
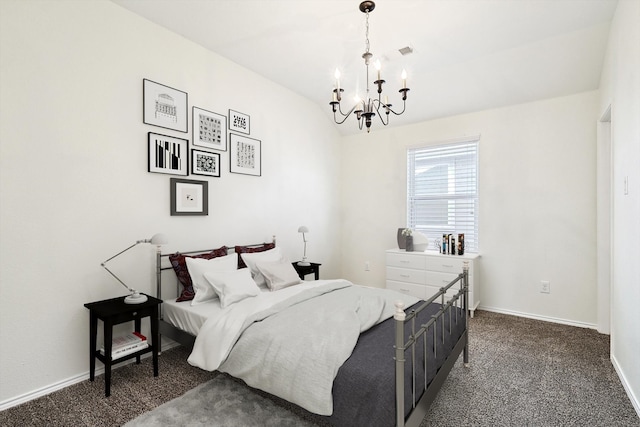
(538, 317)
(635, 402)
(18, 400)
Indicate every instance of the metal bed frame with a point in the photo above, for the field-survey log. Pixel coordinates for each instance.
(420, 405)
(459, 301)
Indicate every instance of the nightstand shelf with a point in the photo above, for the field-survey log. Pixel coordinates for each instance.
(114, 360)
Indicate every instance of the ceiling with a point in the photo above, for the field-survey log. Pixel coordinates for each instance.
(468, 55)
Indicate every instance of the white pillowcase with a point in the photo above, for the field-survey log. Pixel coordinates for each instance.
(197, 267)
(279, 274)
(232, 286)
(254, 257)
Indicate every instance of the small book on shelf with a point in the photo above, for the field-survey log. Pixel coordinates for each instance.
(128, 343)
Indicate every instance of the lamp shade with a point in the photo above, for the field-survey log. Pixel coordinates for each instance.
(303, 229)
(159, 239)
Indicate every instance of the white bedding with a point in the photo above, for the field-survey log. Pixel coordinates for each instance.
(186, 317)
(223, 326)
(298, 339)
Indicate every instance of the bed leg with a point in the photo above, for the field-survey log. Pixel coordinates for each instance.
(465, 270)
(399, 317)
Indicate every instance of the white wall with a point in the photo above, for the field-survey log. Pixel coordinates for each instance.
(74, 185)
(620, 89)
(537, 203)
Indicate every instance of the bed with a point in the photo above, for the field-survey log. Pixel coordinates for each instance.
(358, 352)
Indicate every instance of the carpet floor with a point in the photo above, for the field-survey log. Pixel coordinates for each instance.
(523, 373)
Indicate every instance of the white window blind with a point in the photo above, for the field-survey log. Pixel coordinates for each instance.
(442, 191)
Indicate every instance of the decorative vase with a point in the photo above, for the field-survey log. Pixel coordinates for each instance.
(409, 243)
(402, 242)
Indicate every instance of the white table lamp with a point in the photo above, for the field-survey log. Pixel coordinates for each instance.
(136, 297)
(303, 229)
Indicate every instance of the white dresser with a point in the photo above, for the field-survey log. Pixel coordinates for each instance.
(422, 274)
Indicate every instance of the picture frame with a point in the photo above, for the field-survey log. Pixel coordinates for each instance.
(245, 155)
(205, 163)
(189, 197)
(168, 154)
(164, 106)
(209, 129)
(239, 122)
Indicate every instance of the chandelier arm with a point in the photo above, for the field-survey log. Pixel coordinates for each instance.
(349, 112)
(344, 116)
(377, 107)
(404, 106)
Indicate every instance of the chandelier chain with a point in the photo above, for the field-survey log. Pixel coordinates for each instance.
(367, 33)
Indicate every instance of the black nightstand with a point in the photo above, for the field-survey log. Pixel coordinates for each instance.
(113, 312)
(303, 270)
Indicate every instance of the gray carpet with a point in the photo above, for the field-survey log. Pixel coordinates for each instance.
(523, 373)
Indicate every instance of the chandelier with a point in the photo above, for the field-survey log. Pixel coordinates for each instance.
(366, 108)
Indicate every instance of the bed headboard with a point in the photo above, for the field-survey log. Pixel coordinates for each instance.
(163, 264)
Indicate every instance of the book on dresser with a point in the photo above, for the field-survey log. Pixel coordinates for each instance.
(126, 344)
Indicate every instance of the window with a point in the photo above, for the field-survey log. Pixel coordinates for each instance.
(442, 190)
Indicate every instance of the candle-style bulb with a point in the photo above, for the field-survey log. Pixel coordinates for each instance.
(404, 78)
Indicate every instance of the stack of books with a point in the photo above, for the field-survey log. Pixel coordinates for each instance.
(127, 344)
(452, 244)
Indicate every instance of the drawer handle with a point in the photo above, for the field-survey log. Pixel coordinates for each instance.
(404, 290)
(448, 266)
(402, 261)
(405, 275)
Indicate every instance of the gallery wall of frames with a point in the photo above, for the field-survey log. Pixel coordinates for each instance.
(216, 140)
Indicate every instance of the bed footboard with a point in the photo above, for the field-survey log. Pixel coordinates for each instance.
(451, 308)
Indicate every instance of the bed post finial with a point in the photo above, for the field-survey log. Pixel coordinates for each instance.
(399, 314)
(465, 265)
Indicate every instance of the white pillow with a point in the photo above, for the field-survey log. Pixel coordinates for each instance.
(232, 286)
(279, 274)
(254, 257)
(197, 267)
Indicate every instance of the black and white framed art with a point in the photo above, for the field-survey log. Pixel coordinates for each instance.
(205, 163)
(245, 155)
(189, 197)
(168, 154)
(209, 129)
(239, 122)
(164, 106)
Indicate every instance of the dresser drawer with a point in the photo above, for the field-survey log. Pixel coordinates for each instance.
(418, 291)
(446, 264)
(423, 274)
(435, 278)
(407, 275)
(403, 260)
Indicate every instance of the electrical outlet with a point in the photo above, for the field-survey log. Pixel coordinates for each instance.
(545, 287)
(367, 266)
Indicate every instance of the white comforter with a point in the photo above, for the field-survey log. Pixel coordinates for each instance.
(292, 342)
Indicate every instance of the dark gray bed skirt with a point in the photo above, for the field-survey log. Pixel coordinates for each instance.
(364, 389)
